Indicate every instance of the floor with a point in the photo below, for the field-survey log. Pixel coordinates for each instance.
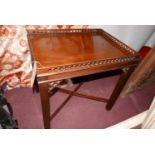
(79, 113)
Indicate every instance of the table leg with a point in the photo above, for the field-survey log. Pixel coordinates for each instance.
(126, 72)
(44, 95)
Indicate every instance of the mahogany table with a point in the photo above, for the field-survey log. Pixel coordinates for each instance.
(64, 54)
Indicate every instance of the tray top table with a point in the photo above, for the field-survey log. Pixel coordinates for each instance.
(63, 54)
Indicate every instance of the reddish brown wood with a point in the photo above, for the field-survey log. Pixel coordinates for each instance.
(68, 51)
(126, 72)
(62, 54)
(43, 88)
(84, 95)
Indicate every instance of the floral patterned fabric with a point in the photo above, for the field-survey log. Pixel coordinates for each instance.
(15, 61)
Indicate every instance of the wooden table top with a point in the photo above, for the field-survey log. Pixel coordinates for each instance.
(60, 48)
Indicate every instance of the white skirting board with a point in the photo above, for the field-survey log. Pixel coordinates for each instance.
(131, 122)
(144, 120)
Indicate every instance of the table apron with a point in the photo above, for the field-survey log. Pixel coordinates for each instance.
(72, 74)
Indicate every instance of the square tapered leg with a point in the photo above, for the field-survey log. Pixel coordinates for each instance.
(44, 95)
(126, 72)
